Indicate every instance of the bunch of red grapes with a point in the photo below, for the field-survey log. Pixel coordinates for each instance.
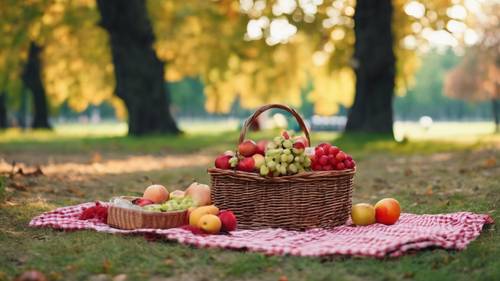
(328, 157)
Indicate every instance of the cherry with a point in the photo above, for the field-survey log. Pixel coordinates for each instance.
(340, 156)
(323, 160)
(333, 150)
(319, 151)
(327, 168)
(340, 166)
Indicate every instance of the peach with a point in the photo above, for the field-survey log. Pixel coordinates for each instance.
(387, 211)
(200, 194)
(210, 224)
(196, 214)
(177, 194)
(363, 214)
(156, 193)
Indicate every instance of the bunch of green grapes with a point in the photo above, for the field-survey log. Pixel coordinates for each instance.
(285, 156)
(174, 204)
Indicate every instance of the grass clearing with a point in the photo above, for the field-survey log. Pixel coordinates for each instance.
(427, 176)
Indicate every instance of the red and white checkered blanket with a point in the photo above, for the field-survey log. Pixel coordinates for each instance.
(411, 232)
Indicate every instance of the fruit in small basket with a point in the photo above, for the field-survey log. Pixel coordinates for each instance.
(156, 193)
(197, 213)
(222, 162)
(387, 211)
(363, 214)
(177, 194)
(247, 164)
(228, 220)
(210, 223)
(142, 202)
(247, 148)
(200, 193)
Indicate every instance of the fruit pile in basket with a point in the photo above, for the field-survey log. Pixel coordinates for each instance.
(284, 155)
(201, 216)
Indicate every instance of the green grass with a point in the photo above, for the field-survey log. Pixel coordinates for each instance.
(455, 170)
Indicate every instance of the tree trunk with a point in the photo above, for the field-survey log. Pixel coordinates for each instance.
(374, 65)
(3, 110)
(496, 113)
(32, 78)
(138, 71)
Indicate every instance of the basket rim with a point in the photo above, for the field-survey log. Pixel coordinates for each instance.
(147, 212)
(305, 176)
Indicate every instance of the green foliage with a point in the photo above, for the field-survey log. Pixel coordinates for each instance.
(426, 97)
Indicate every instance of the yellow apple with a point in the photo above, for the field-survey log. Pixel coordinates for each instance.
(210, 224)
(196, 214)
(363, 214)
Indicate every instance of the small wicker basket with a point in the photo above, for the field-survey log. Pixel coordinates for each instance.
(297, 202)
(133, 219)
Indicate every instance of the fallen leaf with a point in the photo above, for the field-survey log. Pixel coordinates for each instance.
(409, 274)
(76, 191)
(96, 157)
(429, 191)
(490, 163)
(169, 262)
(55, 276)
(408, 172)
(18, 186)
(106, 266)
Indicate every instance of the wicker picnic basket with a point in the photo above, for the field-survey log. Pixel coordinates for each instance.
(123, 218)
(297, 202)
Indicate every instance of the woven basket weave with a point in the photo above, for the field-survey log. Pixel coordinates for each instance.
(133, 219)
(297, 202)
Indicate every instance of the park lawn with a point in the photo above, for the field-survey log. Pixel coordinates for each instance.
(427, 176)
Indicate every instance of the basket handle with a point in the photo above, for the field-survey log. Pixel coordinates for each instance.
(263, 108)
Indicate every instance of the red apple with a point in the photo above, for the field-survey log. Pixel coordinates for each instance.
(228, 220)
(285, 135)
(298, 147)
(246, 165)
(301, 139)
(261, 147)
(247, 148)
(387, 211)
(142, 202)
(222, 162)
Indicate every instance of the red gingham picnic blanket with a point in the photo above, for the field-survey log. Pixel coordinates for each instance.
(411, 232)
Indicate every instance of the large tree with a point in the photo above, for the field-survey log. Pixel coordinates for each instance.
(374, 65)
(139, 73)
(32, 78)
(3, 111)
